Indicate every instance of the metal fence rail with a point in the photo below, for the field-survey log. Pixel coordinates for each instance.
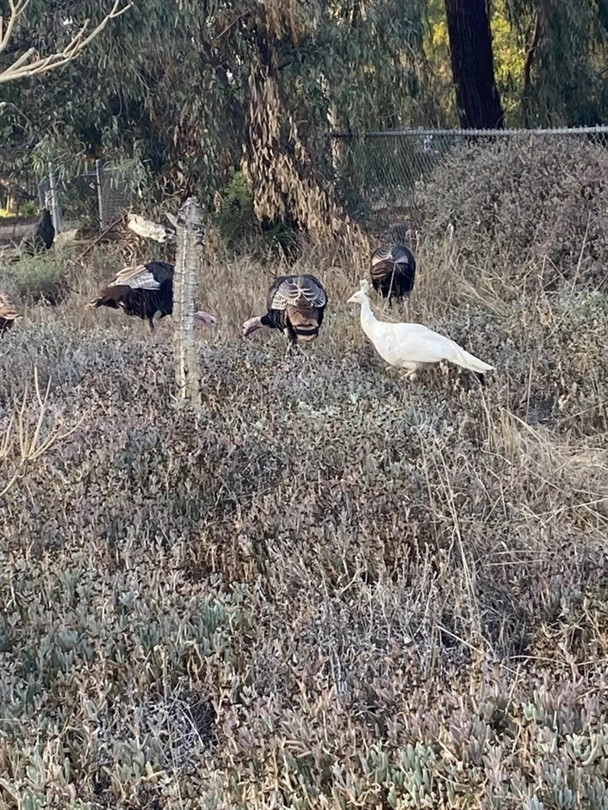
(379, 174)
(93, 199)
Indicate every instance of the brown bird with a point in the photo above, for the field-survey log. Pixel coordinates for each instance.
(296, 305)
(393, 272)
(8, 312)
(145, 291)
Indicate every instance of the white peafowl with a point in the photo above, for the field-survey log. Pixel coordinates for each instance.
(412, 346)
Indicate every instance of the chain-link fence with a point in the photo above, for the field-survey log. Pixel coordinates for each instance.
(93, 200)
(379, 174)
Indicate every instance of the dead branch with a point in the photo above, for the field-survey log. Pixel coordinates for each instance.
(149, 230)
(99, 237)
(30, 63)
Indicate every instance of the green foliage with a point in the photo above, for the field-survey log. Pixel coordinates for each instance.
(29, 209)
(238, 225)
(234, 215)
(170, 84)
(37, 279)
(281, 238)
(569, 67)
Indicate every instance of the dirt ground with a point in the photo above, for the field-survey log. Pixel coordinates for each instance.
(13, 230)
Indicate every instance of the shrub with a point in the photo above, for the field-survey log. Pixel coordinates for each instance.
(514, 200)
(239, 227)
(38, 279)
(29, 209)
(234, 217)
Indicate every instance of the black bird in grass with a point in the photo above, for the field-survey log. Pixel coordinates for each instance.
(393, 272)
(42, 238)
(296, 305)
(145, 291)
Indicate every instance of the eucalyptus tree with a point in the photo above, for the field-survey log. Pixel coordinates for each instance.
(473, 65)
(566, 60)
(20, 55)
(194, 88)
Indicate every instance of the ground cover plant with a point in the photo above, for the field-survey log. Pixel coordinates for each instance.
(329, 588)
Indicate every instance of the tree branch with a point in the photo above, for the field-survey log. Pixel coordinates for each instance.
(530, 54)
(31, 63)
(536, 37)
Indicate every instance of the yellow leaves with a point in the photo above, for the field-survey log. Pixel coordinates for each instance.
(509, 56)
(439, 34)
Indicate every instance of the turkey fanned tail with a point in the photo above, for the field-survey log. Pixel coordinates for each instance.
(296, 306)
(8, 312)
(393, 271)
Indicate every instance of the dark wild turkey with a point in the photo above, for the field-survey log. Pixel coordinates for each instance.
(42, 238)
(393, 272)
(296, 305)
(145, 291)
(8, 312)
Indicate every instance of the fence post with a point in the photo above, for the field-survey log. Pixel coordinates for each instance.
(99, 169)
(55, 210)
(42, 192)
(190, 236)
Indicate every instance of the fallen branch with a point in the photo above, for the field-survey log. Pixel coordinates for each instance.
(98, 238)
(150, 230)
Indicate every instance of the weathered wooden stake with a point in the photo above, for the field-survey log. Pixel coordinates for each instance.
(190, 238)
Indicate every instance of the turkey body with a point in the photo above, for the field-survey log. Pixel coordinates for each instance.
(42, 238)
(393, 271)
(296, 305)
(8, 312)
(145, 291)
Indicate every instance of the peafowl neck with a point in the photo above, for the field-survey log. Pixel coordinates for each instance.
(368, 319)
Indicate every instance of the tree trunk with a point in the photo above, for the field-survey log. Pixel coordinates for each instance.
(472, 64)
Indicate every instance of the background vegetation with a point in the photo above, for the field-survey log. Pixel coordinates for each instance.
(185, 94)
(330, 589)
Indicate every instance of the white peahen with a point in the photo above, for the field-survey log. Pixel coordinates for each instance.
(412, 346)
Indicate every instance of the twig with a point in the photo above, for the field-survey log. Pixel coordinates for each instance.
(30, 446)
(92, 244)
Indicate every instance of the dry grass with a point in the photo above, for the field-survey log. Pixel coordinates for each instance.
(330, 589)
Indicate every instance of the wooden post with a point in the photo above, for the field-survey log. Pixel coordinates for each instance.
(190, 237)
